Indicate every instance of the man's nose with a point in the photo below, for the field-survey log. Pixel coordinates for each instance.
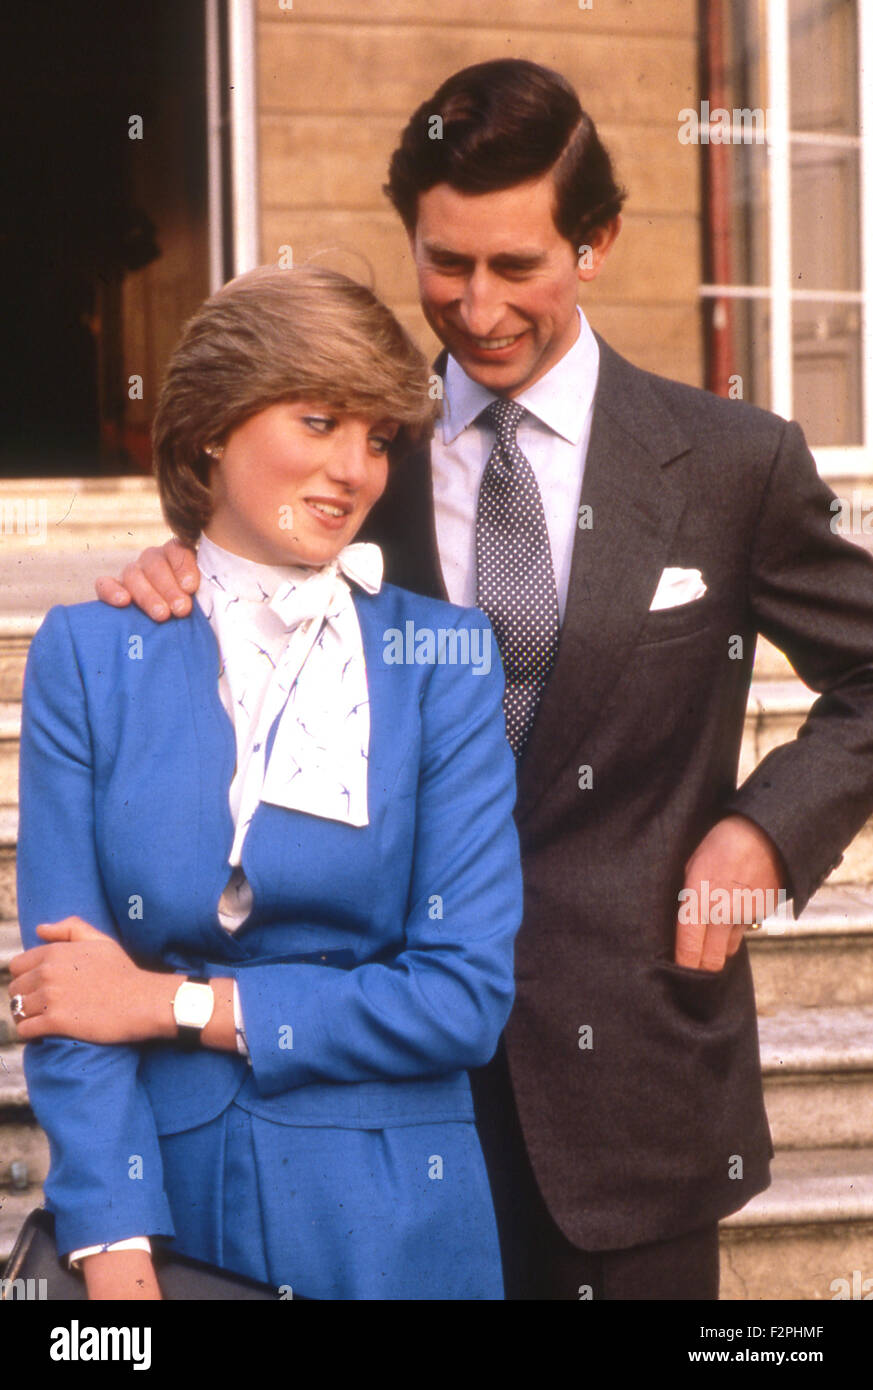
(481, 304)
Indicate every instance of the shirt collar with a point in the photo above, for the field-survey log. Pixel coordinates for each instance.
(561, 399)
(360, 562)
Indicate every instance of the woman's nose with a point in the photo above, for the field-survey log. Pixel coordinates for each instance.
(350, 459)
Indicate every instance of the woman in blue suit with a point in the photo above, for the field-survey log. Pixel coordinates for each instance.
(256, 1048)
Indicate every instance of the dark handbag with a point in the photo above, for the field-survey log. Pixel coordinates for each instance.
(34, 1271)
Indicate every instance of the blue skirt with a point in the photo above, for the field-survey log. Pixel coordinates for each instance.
(397, 1213)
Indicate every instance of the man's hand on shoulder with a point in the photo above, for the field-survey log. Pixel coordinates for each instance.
(160, 582)
(735, 855)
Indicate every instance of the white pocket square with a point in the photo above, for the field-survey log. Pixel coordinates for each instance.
(677, 586)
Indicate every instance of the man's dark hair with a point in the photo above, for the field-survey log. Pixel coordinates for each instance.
(500, 124)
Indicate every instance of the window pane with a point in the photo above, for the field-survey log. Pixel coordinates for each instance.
(825, 218)
(824, 65)
(738, 340)
(739, 47)
(827, 373)
(748, 191)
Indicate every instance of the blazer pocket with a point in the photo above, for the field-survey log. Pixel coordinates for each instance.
(698, 995)
(666, 624)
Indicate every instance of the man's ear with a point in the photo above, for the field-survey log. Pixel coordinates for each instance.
(594, 252)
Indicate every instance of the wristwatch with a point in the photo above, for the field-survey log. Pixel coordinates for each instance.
(193, 1004)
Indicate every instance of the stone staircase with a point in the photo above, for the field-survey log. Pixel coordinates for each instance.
(814, 977)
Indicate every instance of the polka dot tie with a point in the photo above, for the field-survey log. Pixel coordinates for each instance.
(515, 576)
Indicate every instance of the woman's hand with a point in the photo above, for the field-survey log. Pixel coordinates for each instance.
(83, 985)
(120, 1274)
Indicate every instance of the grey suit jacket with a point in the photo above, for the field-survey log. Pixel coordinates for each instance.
(653, 1122)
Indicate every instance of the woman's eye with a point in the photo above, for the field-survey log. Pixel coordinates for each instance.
(322, 423)
(381, 443)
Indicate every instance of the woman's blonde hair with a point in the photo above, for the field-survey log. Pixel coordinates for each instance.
(280, 335)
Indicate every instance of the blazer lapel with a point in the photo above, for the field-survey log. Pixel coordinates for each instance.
(635, 509)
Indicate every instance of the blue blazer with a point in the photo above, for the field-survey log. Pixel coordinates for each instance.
(377, 964)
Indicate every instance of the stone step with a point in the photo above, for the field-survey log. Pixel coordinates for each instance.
(16, 631)
(809, 1236)
(13, 1090)
(44, 516)
(8, 840)
(10, 731)
(774, 713)
(825, 958)
(14, 1207)
(10, 945)
(818, 1077)
(24, 1151)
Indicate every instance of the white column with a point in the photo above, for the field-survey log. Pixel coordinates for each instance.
(214, 171)
(779, 151)
(242, 69)
(865, 130)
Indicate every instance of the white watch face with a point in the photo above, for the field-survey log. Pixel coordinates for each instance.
(193, 1005)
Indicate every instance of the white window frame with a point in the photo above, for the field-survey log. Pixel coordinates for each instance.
(238, 186)
(838, 461)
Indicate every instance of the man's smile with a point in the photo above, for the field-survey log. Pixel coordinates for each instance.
(492, 346)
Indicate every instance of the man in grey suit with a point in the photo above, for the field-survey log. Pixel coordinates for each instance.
(629, 537)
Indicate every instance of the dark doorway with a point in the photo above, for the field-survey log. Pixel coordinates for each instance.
(103, 241)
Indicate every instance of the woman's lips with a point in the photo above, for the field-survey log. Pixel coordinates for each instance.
(328, 512)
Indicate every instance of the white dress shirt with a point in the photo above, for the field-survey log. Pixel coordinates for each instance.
(554, 437)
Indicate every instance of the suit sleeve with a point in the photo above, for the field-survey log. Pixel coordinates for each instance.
(440, 1004)
(811, 594)
(106, 1180)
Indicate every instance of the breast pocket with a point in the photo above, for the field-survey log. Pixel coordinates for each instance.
(665, 624)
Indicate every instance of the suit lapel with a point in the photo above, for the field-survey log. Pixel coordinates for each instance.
(635, 509)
